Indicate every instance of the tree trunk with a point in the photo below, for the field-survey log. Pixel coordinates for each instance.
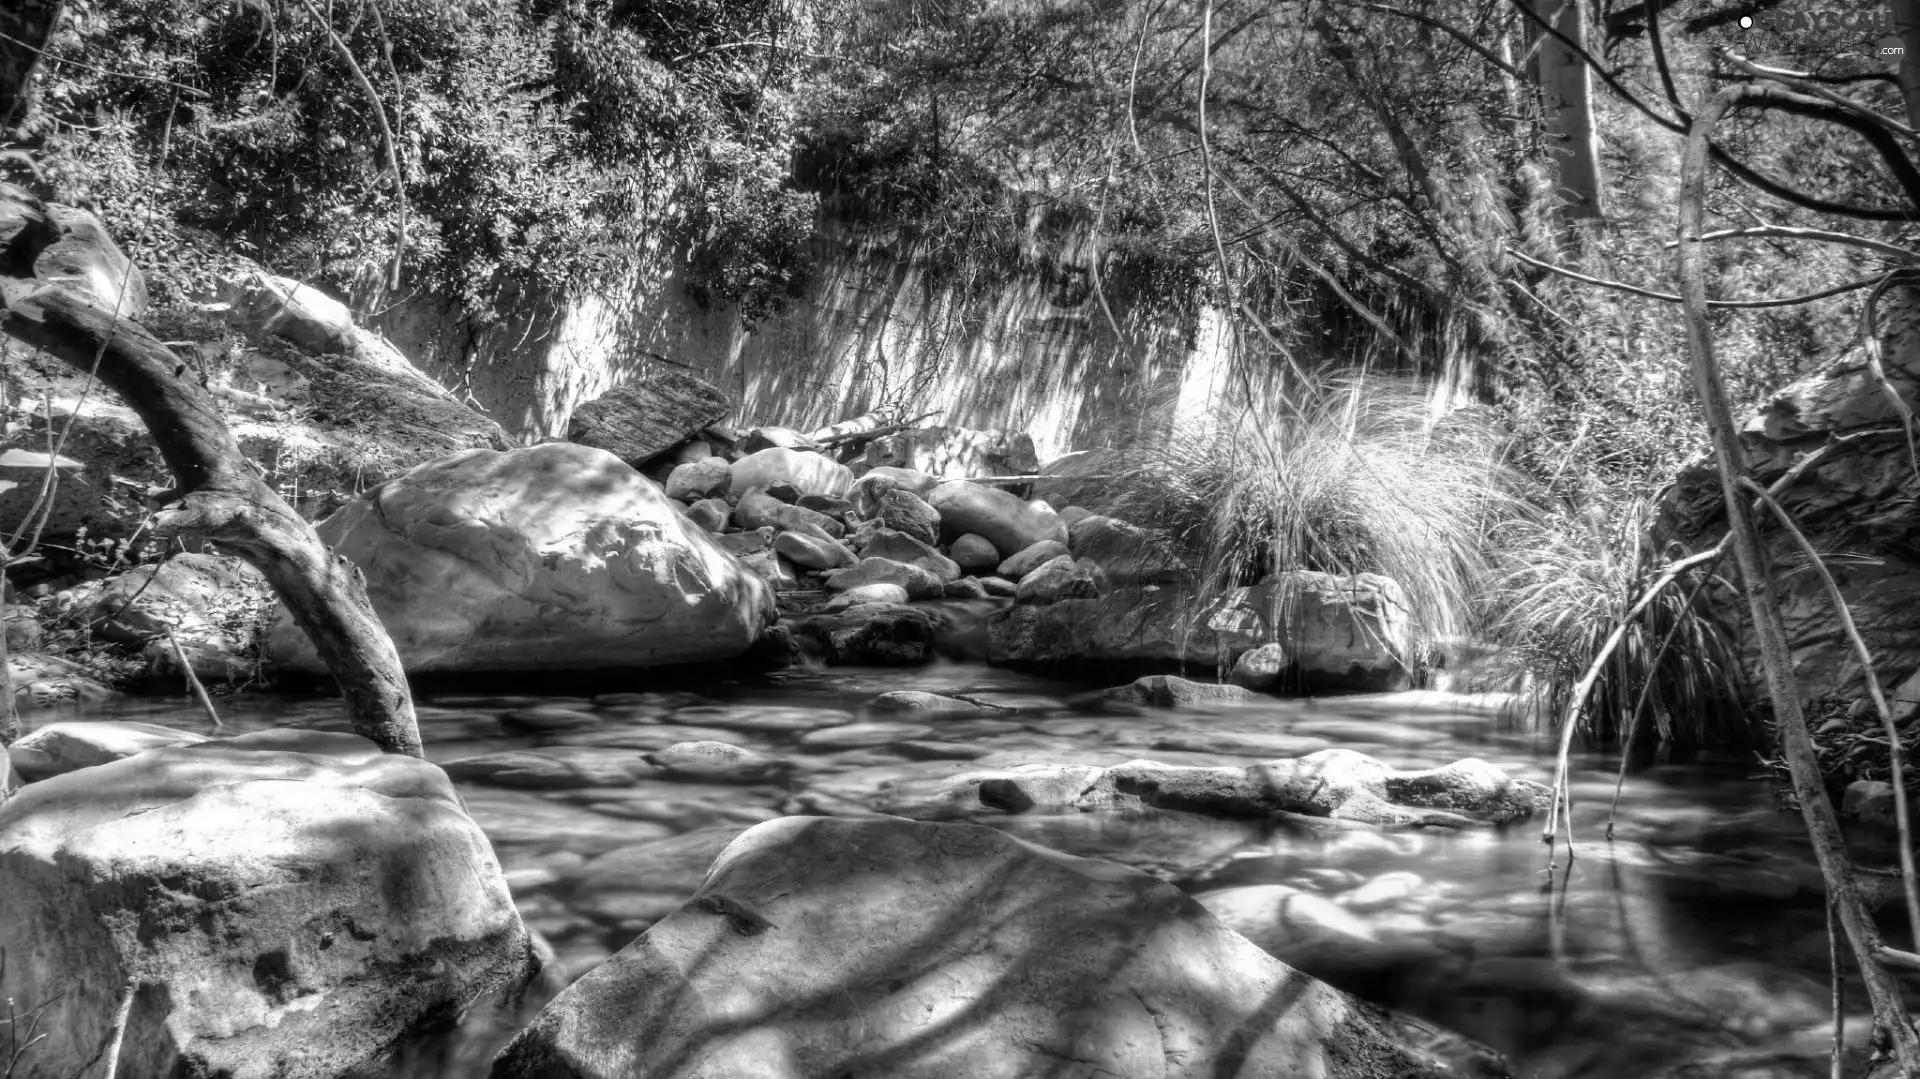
(1566, 85)
(1906, 24)
(220, 495)
(1823, 828)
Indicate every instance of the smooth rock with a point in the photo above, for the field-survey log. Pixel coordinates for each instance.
(974, 553)
(809, 473)
(834, 506)
(966, 588)
(918, 583)
(550, 769)
(286, 915)
(715, 761)
(43, 681)
(758, 509)
(698, 480)
(1130, 554)
(865, 594)
(870, 634)
(1342, 634)
(867, 490)
(1059, 579)
(917, 700)
(900, 547)
(1028, 559)
(999, 586)
(1002, 519)
(768, 437)
(711, 514)
(553, 557)
(1261, 668)
(58, 748)
(751, 541)
(1869, 801)
(903, 511)
(812, 552)
(824, 947)
(188, 593)
(860, 735)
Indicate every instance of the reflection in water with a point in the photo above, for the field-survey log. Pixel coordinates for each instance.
(1692, 945)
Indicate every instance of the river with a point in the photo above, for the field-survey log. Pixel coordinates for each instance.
(1693, 944)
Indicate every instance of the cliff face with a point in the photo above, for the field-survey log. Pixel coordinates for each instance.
(1031, 352)
(1859, 504)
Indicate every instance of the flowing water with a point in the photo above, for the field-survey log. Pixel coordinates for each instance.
(1693, 944)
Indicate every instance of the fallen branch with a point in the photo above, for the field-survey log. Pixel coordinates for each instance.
(877, 432)
(1668, 297)
(1789, 232)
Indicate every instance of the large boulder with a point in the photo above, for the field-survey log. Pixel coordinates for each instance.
(1862, 500)
(77, 250)
(270, 913)
(195, 595)
(553, 557)
(646, 417)
(1130, 554)
(1337, 634)
(809, 473)
(1341, 634)
(823, 947)
(1005, 520)
(955, 452)
(1081, 478)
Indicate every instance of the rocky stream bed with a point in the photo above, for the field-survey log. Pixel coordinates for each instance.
(1691, 945)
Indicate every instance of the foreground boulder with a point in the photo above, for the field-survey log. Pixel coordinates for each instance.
(644, 418)
(822, 947)
(553, 557)
(275, 914)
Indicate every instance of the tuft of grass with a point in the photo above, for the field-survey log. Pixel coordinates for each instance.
(1353, 474)
(1567, 579)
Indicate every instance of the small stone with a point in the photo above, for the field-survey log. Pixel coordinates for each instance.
(812, 552)
(710, 514)
(904, 511)
(999, 587)
(785, 492)
(833, 506)
(867, 593)
(745, 543)
(973, 553)
(1259, 669)
(1168, 691)
(714, 761)
(966, 588)
(915, 700)
(701, 479)
(548, 718)
(1032, 558)
(901, 547)
(1062, 578)
(918, 583)
(861, 735)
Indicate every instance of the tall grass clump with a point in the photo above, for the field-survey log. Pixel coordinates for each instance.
(1351, 475)
(1567, 579)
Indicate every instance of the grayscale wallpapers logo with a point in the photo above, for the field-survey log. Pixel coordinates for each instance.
(1879, 38)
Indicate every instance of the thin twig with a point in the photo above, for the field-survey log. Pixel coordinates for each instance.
(118, 1036)
(1790, 232)
(1909, 879)
(193, 681)
(1837, 995)
(1668, 297)
(1799, 81)
(45, 55)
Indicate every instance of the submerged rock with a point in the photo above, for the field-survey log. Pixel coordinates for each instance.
(1167, 691)
(1335, 783)
(1261, 668)
(837, 947)
(870, 634)
(916, 700)
(285, 915)
(43, 681)
(554, 557)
